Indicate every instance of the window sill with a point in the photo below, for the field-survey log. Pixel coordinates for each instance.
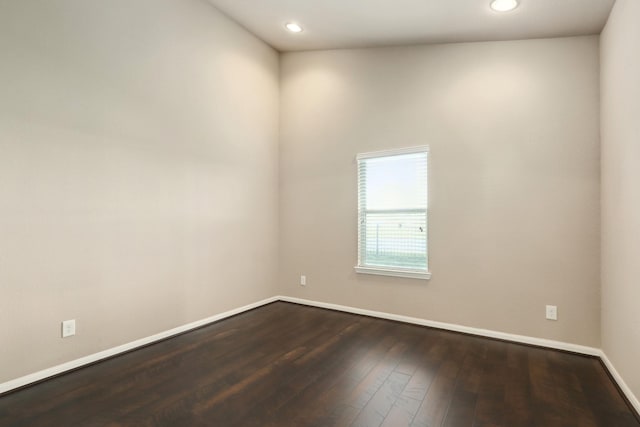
(395, 273)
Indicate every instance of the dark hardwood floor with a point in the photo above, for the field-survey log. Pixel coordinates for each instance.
(289, 365)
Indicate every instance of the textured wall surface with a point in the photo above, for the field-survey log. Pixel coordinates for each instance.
(513, 129)
(620, 49)
(138, 140)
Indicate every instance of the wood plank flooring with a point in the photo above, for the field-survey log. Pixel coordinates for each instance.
(289, 365)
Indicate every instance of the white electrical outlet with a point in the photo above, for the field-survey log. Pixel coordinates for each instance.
(303, 280)
(68, 328)
(552, 312)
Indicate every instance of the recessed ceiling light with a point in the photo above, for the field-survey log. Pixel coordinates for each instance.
(293, 27)
(504, 5)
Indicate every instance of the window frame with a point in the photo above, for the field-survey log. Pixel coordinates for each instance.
(391, 271)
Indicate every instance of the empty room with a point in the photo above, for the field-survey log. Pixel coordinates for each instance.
(320, 213)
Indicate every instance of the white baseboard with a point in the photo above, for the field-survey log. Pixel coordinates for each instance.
(74, 364)
(618, 379)
(558, 345)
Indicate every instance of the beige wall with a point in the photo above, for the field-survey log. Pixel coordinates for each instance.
(138, 141)
(620, 56)
(514, 217)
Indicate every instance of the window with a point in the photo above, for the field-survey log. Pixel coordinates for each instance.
(392, 213)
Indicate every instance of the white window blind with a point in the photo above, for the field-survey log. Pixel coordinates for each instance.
(392, 212)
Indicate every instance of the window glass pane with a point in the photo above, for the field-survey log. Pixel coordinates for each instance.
(396, 182)
(392, 204)
(396, 240)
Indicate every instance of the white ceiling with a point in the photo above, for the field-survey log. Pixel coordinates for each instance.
(332, 24)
